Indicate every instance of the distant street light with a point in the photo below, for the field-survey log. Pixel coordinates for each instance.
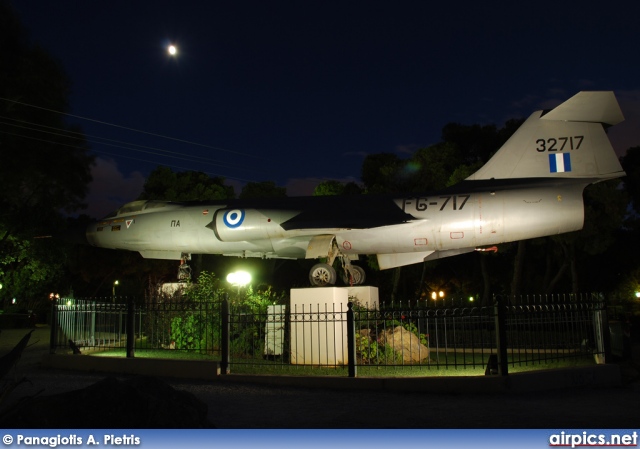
(113, 290)
(239, 279)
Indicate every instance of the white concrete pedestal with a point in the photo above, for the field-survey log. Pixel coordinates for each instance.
(319, 326)
(319, 322)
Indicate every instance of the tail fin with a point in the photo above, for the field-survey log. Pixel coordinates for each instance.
(566, 142)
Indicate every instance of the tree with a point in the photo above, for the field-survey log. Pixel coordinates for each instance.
(265, 189)
(631, 165)
(332, 187)
(165, 185)
(431, 168)
(45, 165)
(380, 172)
(475, 142)
(42, 170)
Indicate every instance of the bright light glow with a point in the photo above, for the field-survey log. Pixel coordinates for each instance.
(116, 282)
(239, 278)
(434, 295)
(441, 294)
(470, 298)
(172, 50)
(637, 294)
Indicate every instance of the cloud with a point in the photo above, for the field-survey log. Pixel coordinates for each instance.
(110, 188)
(407, 149)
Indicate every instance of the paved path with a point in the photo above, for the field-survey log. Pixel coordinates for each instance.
(245, 405)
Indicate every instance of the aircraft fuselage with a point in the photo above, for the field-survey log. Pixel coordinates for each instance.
(453, 219)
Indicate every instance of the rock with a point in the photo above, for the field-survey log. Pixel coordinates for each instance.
(138, 402)
(406, 343)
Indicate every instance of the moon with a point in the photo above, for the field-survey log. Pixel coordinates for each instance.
(172, 50)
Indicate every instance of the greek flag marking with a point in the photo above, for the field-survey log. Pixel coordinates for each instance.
(560, 162)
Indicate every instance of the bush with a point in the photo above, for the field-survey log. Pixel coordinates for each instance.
(202, 331)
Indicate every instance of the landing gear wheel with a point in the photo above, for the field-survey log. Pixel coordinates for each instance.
(322, 274)
(357, 276)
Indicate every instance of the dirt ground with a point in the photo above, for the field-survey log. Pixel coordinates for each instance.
(252, 406)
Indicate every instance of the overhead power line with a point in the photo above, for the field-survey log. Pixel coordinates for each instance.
(119, 155)
(115, 143)
(133, 129)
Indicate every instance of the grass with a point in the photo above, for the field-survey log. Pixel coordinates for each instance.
(155, 354)
(463, 366)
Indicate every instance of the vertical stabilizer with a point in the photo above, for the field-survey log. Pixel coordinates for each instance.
(567, 142)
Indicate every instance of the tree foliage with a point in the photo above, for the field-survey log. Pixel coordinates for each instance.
(165, 185)
(631, 165)
(45, 166)
(380, 173)
(333, 187)
(265, 189)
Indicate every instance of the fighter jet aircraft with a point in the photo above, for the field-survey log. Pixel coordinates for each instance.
(531, 187)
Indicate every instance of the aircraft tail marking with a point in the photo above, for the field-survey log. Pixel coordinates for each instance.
(567, 142)
(560, 163)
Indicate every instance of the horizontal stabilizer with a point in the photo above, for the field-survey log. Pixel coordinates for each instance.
(595, 107)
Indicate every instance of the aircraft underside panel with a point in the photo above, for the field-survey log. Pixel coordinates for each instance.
(165, 255)
(386, 261)
(259, 255)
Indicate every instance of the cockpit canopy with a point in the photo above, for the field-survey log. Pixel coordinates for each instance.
(141, 207)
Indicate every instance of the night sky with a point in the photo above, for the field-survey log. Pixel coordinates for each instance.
(300, 92)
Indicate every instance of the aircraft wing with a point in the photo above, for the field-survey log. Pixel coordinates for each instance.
(348, 212)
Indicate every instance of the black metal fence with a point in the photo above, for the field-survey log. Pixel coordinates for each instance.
(101, 325)
(343, 337)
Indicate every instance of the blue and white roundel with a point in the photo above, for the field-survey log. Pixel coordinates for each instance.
(233, 218)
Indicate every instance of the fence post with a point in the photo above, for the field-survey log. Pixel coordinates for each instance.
(351, 340)
(53, 332)
(131, 332)
(501, 335)
(603, 338)
(226, 335)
